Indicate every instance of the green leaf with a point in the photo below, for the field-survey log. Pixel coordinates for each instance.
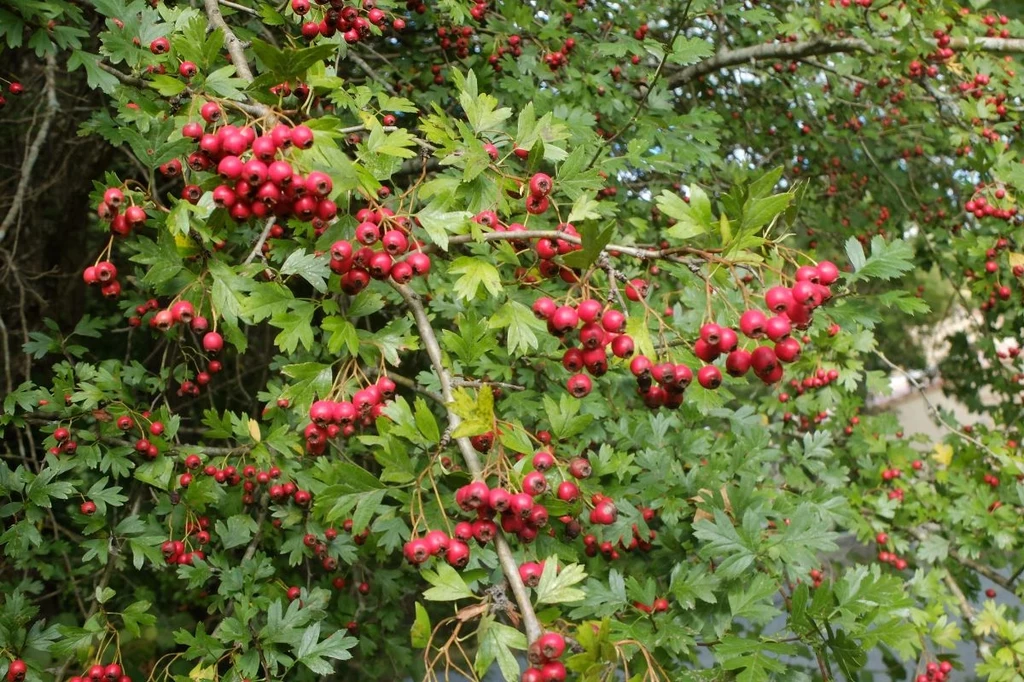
(888, 260)
(691, 219)
(556, 587)
(421, 629)
(343, 335)
(474, 273)
(584, 208)
(310, 267)
(722, 541)
(751, 657)
(754, 601)
(312, 653)
(933, 549)
(426, 422)
(448, 585)
(237, 531)
(520, 324)
(497, 641)
(439, 223)
(481, 109)
(594, 240)
(759, 212)
(686, 51)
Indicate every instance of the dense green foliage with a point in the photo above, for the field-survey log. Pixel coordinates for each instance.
(308, 337)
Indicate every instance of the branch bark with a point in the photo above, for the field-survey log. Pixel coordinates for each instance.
(820, 46)
(505, 557)
(231, 41)
(32, 153)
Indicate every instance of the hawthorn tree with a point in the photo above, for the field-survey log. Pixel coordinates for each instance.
(377, 341)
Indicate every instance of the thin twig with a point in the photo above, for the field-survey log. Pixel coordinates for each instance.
(371, 72)
(505, 557)
(931, 406)
(32, 153)
(240, 8)
(258, 247)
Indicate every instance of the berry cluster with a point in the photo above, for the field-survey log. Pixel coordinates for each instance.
(602, 330)
(330, 419)
(935, 672)
(592, 546)
(101, 673)
(257, 182)
(347, 20)
(520, 513)
(104, 275)
(543, 655)
(664, 384)
(357, 266)
(175, 551)
(121, 222)
(13, 87)
(540, 187)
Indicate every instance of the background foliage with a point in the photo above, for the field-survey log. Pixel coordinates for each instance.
(702, 151)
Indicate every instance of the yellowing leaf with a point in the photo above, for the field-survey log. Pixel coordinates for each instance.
(203, 673)
(254, 430)
(943, 454)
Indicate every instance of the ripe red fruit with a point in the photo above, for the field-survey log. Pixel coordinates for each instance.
(213, 342)
(827, 272)
(787, 350)
(417, 551)
(544, 308)
(604, 513)
(302, 137)
(188, 69)
(709, 377)
(613, 321)
(536, 204)
(564, 319)
(530, 573)
(580, 468)
(88, 507)
(550, 645)
(636, 289)
(579, 385)
(534, 483)
(105, 272)
(543, 460)
(531, 675)
(520, 504)
(737, 363)
(640, 366)
(457, 555)
(540, 184)
(882, 538)
(553, 672)
(779, 299)
(160, 46)
(211, 112)
(711, 333)
(568, 492)
(17, 670)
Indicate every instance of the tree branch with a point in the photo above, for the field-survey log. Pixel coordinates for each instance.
(931, 406)
(32, 153)
(231, 41)
(820, 46)
(507, 560)
(257, 248)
